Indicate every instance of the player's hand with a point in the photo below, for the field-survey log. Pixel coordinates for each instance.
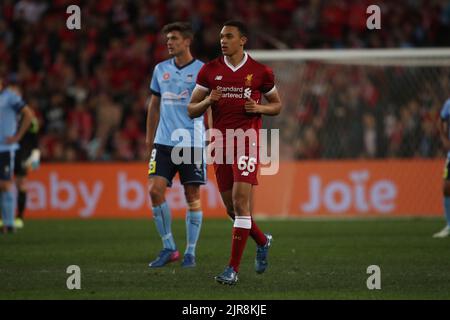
(215, 95)
(11, 140)
(251, 106)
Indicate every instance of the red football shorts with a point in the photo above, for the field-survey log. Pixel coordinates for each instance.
(243, 169)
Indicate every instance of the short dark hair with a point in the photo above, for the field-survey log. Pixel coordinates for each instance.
(184, 28)
(243, 30)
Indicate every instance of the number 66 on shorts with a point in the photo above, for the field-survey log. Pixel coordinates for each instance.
(245, 169)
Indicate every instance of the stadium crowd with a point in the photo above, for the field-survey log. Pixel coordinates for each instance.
(360, 111)
(89, 87)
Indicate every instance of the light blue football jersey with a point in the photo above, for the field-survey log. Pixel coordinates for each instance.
(175, 85)
(10, 107)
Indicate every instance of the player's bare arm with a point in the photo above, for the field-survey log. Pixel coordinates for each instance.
(153, 111)
(443, 128)
(28, 115)
(272, 108)
(200, 102)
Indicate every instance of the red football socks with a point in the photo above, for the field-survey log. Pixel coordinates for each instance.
(257, 235)
(241, 231)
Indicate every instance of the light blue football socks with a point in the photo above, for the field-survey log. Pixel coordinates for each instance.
(8, 210)
(193, 226)
(447, 209)
(163, 221)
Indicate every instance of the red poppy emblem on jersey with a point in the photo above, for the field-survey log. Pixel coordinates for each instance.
(166, 76)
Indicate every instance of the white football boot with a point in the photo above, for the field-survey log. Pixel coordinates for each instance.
(443, 233)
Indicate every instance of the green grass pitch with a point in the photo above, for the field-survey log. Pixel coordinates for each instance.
(324, 259)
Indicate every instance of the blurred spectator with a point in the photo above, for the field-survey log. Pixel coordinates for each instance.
(370, 136)
(90, 86)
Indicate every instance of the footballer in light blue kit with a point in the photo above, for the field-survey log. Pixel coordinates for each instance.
(445, 138)
(171, 86)
(11, 105)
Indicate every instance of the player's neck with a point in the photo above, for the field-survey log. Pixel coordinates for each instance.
(236, 58)
(183, 59)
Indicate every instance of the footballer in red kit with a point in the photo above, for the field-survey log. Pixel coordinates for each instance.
(230, 89)
(238, 84)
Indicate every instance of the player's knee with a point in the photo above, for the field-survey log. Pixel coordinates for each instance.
(241, 205)
(157, 195)
(241, 209)
(5, 186)
(192, 194)
(21, 185)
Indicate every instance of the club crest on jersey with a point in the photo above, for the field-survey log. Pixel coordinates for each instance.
(190, 78)
(166, 76)
(247, 93)
(248, 80)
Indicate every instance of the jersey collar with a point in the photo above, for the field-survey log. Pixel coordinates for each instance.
(236, 68)
(183, 66)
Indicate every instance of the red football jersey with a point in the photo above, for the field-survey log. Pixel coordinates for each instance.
(248, 79)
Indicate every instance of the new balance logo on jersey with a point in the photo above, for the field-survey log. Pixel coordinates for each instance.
(218, 78)
(247, 92)
(245, 173)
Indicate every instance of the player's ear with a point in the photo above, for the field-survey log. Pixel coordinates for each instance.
(243, 41)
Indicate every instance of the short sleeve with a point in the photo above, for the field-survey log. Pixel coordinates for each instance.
(445, 112)
(17, 102)
(202, 78)
(154, 84)
(268, 83)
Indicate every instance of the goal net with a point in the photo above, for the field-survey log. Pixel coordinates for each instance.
(348, 104)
